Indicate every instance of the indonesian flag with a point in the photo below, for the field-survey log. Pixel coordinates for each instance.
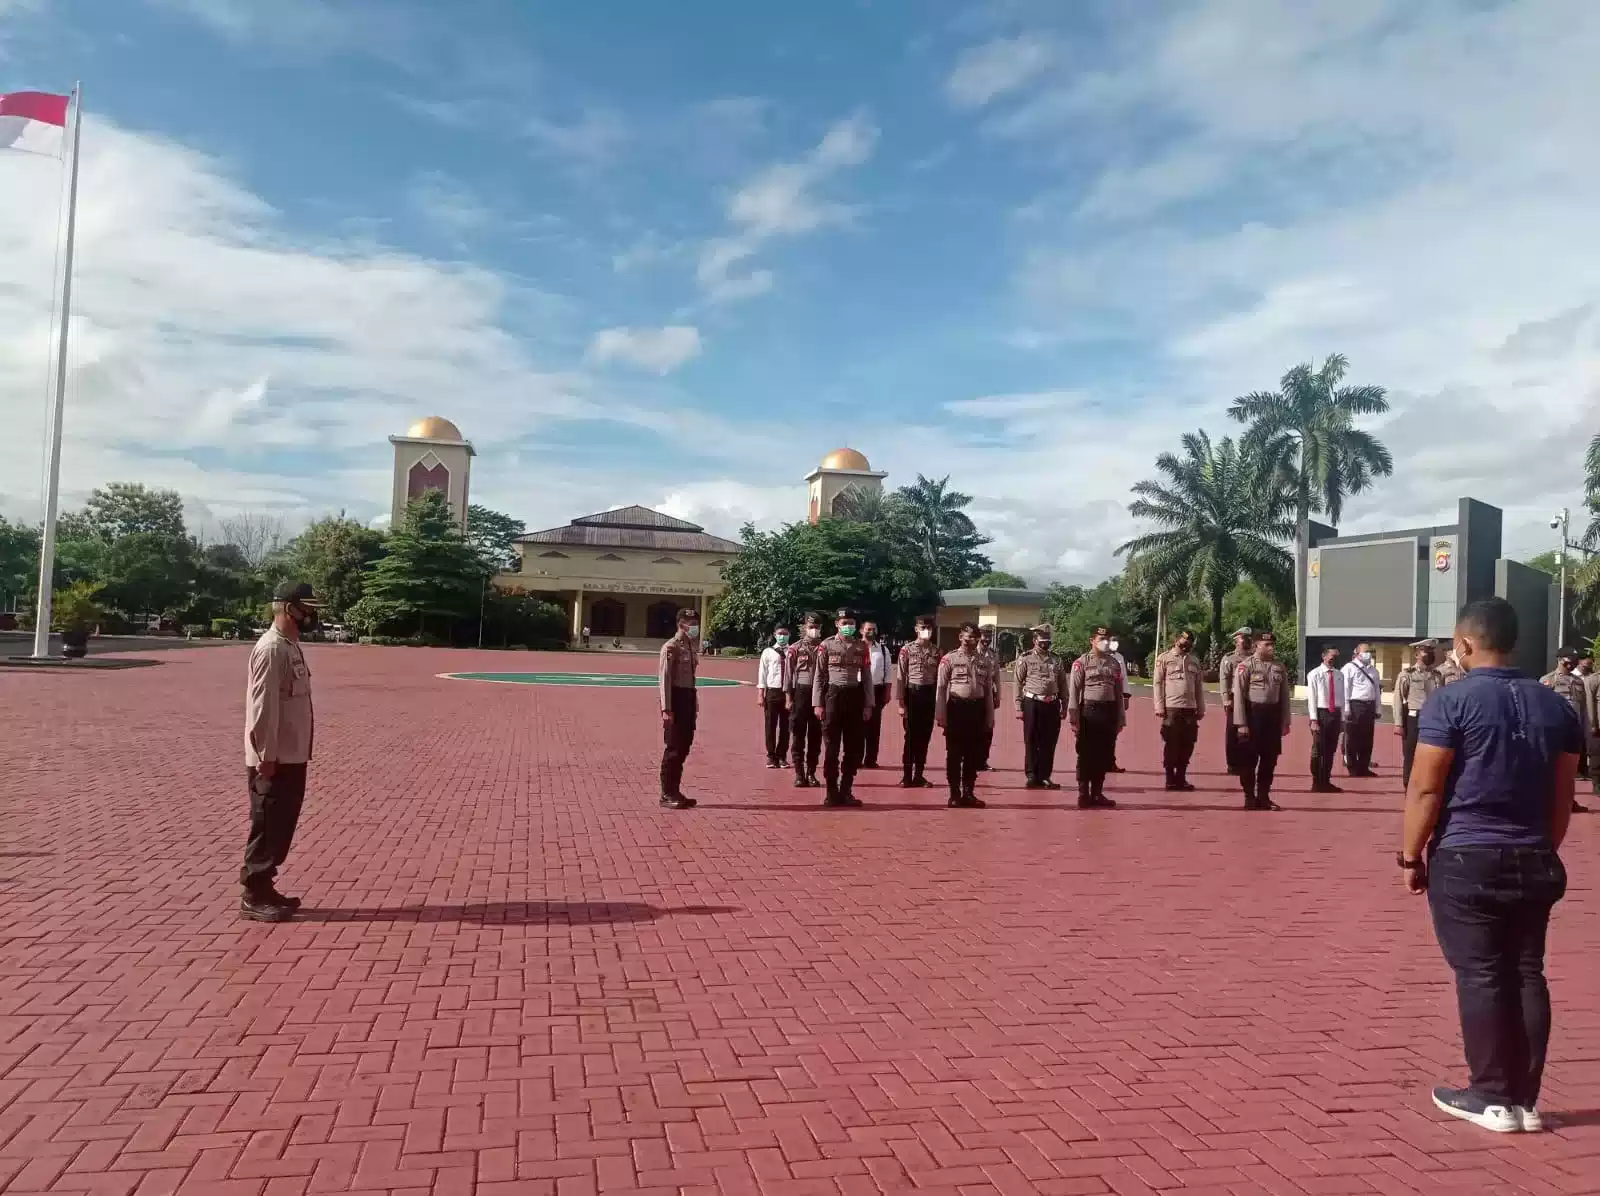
(34, 121)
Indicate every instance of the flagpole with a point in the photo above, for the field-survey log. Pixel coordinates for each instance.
(52, 494)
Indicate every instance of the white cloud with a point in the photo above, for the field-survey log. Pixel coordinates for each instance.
(591, 141)
(661, 350)
(781, 201)
(985, 73)
(1004, 406)
(448, 204)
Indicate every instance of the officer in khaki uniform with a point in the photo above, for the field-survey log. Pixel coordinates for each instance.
(680, 706)
(1041, 681)
(1567, 682)
(1261, 694)
(916, 681)
(991, 659)
(1226, 668)
(279, 727)
(1450, 670)
(1097, 712)
(1591, 684)
(1412, 688)
(1180, 700)
(964, 707)
(841, 697)
(805, 729)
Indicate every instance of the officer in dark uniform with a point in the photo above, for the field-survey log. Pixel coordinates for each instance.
(1041, 681)
(1096, 710)
(916, 683)
(1226, 668)
(805, 730)
(841, 698)
(1261, 694)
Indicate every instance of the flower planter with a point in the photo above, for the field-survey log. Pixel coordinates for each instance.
(75, 644)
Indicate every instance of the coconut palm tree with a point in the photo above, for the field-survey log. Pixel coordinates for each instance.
(1223, 514)
(1587, 578)
(1306, 430)
(865, 504)
(942, 530)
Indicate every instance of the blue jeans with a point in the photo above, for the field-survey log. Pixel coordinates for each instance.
(1491, 907)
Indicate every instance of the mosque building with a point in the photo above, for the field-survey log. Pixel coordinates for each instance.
(623, 574)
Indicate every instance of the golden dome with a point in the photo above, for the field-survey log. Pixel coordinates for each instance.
(434, 428)
(846, 458)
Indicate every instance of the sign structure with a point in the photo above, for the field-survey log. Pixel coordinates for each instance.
(594, 680)
(1441, 555)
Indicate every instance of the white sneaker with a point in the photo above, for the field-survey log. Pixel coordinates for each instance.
(1460, 1102)
(1532, 1123)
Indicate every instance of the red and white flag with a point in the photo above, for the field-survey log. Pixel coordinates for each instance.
(33, 120)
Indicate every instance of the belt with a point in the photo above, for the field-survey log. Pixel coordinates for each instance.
(1043, 697)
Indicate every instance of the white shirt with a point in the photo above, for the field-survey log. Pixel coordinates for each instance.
(772, 673)
(1361, 683)
(1127, 686)
(1325, 690)
(882, 663)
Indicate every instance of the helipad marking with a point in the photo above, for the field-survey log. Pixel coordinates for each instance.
(592, 680)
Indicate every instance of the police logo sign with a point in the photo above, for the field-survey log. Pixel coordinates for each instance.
(1441, 555)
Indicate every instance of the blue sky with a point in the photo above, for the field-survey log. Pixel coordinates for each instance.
(673, 254)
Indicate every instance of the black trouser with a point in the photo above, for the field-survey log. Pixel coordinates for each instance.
(986, 739)
(1230, 740)
(677, 737)
(1358, 736)
(1408, 745)
(1324, 746)
(1179, 730)
(1491, 908)
(1041, 728)
(844, 734)
(1258, 754)
(966, 725)
(273, 818)
(880, 699)
(920, 702)
(1097, 742)
(777, 725)
(805, 733)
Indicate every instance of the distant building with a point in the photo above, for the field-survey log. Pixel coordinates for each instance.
(432, 455)
(1014, 611)
(841, 470)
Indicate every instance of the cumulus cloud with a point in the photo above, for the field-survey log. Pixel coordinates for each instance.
(780, 201)
(660, 350)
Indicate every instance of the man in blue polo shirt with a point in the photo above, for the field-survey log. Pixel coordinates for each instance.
(1490, 799)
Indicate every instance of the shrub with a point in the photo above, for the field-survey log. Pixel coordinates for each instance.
(733, 653)
(75, 608)
(222, 628)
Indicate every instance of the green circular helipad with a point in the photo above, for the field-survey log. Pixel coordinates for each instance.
(599, 680)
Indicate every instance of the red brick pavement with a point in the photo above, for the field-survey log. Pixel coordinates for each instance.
(515, 974)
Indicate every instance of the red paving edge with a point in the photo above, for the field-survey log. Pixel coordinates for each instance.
(514, 974)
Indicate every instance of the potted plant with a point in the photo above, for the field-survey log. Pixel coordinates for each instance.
(76, 612)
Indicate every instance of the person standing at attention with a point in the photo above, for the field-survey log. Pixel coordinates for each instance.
(841, 698)
(772, 692)
(963, 707)
(1096, 711)
(1591, 683)
(916, 684)
(279, 727)
(1179, 691)
(1486, 812)
(1363, 692)
(882, 665)
(1567, 682)
(805, 727)
(1261, 704)
(1412, 688)
(680, 706)
(991, 659)
(1326, 701)
(1041, 681)
(1127, 699)
(1227, 668)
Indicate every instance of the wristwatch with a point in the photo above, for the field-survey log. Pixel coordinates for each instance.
(1410, 865)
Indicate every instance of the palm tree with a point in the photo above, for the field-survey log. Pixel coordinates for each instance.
(1306, 430)
(864, 504)
(1223, 513)
(1587, 579)
(942, 530)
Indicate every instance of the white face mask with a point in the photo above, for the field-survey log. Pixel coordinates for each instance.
(1365, 658)
(924, 633)
(1113, 645)
(813, 633)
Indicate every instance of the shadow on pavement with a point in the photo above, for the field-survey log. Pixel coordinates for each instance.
(25, 855)
(1128, 806)
(513, 913)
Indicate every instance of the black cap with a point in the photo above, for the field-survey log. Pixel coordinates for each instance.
(1569, 655)
(296, 591)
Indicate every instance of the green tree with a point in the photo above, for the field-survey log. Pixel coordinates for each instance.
(999, 579)
(147, 573)
(513, 617)
(1248, 605)
(225, 586)
(128, 508)
(1222, 516)
(1548, 562)
(868, 504)
(1306, 428)
(943, 533)
(333, 554)
(1073, 612)
(19, 564)
(1587, 580)
(429, 572)
(491, 535)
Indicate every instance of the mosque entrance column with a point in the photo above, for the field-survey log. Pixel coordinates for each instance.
(577, 615)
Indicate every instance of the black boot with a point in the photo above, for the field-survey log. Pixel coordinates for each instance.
(1172, 779)
(258, 907)
(1101, 801)
(847, 793)
(676, 801)
(1085, 796)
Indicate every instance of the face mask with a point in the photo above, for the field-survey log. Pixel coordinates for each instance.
(1042, 645)
(1113, 645)
(782, 640)
(305, 618)
(1184, 646)
(692, 631)
(924, 633)
(1427, 660)
(869, 635)
(813, 633)
(1366, 658)
(847, 631)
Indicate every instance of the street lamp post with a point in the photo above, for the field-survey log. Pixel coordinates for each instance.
(1563, 522)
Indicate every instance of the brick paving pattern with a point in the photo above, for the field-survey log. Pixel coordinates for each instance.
(514, 974)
